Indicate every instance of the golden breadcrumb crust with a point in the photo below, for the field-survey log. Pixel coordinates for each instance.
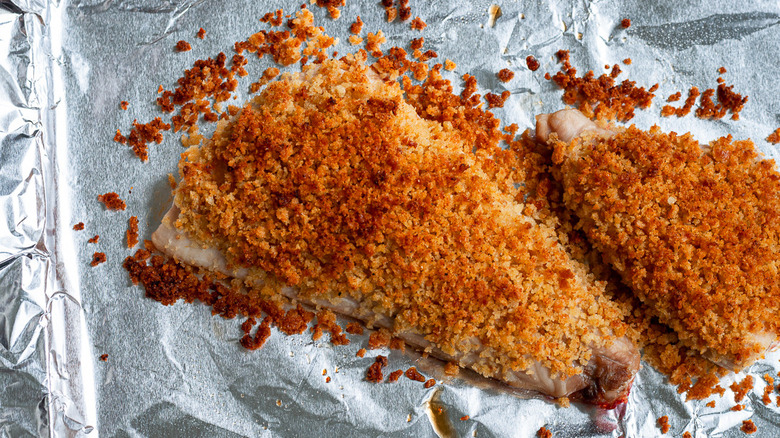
(331, 182)
(693, 230)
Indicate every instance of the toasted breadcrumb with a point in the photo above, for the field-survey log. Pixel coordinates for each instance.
(418, 24)
(663, 424)
(354, 328)
(357, 26)
(429, 383)
(627, 61)
(79, 226)
(711, 404)
(112, 201)
(505, 75)
(748, 427)
(98, 258)
(390, 14)
(124, 105)
(394, 376)
(183, 46)
(201, 33)
(543, 432)
(132, 231)
(774, 137)
(742, 388)
(104, 357)
(625, 23)
(533, 64)
(611, 100)
(464, 418)
(94, 239)
(361, 352)
(687, 434)
(450, 66)
(355, 40)
(413, 374)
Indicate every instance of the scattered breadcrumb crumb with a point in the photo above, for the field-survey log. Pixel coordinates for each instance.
(361, 352)
(464, 418)
(722, 70)
(748, 427)
(183, 46)
(418, 24)
(451, 369)
(429, 383)
(663, 424)
(354, 328)
(711, 404)
(625, 23)
(543, 432)
(674, 97)
(390, 14)
(355, 40)
(627, 61)
(532, 63)
(201, 33)
(374, 373)
(394, 376)
(378, 339)
(104, 357)
(687, 435)
(774, 137)
(505, 75)
(737, 408)
(124, 104)
(94, 239)
(415, 375)
(742, 388)
(79, 226)
(357, 26)
(327, 379)
(112, 201)
(450, 66)
(98, 258)
(132, 231)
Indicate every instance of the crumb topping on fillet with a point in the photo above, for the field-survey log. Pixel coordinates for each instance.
(330, 182)
(693, 230)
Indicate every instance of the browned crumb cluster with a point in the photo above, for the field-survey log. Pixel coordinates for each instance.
(361, 352)
(742, 388)
(728, 101)
(505, 75)
(418, 24)
(183, 46)
(748, 427)
(687, 435)
(450, 65)
(124, 104)
(357, 26)
(211, 81)
(354, 328)
(326, 321)
(94, 239)
(394, 376)
(497, 100)
(464, 418)
(374, 373)
(104, 357)
(532, 63)
(663, 424)
(201, 33)
(79, 226)
(379, 339)
(112, 201)
(543, 432)
(373, 43)
(768, 389)
(611, 100)
(97, 258)
(413, 374)
(332, 6)
(627, 61)
(656, 203)
(774, 137)
(132, 231)
(625, 23)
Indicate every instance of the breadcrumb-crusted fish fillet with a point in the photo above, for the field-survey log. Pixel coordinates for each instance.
(693, 229)
(330, 189)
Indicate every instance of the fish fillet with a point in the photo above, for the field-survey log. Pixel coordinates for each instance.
(330, 187)
(693, 229)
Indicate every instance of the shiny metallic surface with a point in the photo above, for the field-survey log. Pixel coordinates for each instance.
(179, 371)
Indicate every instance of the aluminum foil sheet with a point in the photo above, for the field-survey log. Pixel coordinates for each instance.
(179, 371)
